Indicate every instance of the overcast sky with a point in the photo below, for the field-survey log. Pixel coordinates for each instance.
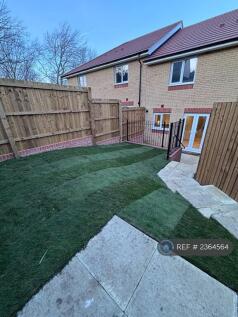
(106, 23)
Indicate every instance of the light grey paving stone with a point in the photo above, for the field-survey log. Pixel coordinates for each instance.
(172, 186)
(185, 170)
(189, 159)
(172, 286)
(186, 184)
(219, 195)
(228, 220)
(72, 293)
(226, 208)
(118, 257)
(209, 200)
(206, 212)
(198, 198)
(220, 209)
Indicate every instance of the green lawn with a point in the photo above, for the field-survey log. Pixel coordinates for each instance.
(57, 201)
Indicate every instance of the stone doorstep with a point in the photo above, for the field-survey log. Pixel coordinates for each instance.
(121, 273)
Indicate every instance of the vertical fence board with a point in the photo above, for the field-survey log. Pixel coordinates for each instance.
(218, 164)
(7, 129)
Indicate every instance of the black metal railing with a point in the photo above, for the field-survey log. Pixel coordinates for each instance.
(141, 131)
(175, 136)
(145, 132)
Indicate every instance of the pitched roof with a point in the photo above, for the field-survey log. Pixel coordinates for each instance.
(133, 47)
(216, 30)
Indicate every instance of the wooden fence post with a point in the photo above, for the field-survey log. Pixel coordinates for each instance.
(91, 115)
(120, 121)
(7, 129)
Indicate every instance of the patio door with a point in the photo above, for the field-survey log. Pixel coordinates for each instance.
(195, 127)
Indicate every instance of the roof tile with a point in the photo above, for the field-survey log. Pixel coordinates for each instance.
(206, 33)
(138, 45)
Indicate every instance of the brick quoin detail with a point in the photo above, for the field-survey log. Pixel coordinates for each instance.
(198, 110)
(162, 110)
(120, 85)
(180, 87)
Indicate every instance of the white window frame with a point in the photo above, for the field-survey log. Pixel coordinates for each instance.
(182, 72)
(84, 81)
(161, 122)
(193, 131)
(115, 73)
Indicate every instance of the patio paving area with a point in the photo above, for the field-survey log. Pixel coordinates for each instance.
(209, 200)
(121, 273)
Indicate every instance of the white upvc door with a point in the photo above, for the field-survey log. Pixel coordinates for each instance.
(195, 127)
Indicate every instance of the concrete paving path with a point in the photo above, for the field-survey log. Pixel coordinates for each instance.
(209, 200)
(121, 274)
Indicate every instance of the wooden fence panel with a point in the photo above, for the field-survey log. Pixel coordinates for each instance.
(42, 114)
(106, 116)
(218, 164)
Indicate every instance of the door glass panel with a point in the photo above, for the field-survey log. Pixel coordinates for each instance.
(157, 120)
(199, 132)
(187, 130)
(166, 118)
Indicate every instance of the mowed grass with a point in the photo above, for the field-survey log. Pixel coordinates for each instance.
(53, 203)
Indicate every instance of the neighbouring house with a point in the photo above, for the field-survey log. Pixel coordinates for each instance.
(173, 72)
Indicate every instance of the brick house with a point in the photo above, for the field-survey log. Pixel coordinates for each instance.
(173, 72)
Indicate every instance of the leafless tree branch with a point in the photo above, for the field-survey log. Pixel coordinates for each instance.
(63, 49)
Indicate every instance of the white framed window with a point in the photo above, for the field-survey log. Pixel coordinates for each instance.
(82, 81)
(161, 119)
(121, 74)
(183, 71)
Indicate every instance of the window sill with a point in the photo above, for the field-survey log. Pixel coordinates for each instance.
(121, 85)
(160, 131)
(180, 87)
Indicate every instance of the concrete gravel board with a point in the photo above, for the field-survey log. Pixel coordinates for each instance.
(118, 257)
(172, 286)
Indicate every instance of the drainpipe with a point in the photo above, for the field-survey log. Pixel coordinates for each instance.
(140, 79)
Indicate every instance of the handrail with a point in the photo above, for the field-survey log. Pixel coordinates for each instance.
(179, 140)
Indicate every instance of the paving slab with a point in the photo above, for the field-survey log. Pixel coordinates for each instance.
(189, 159)
(118, 257)
(218, 194)
(229, 220)
(72, 293)
(172, 286)
(209, 200)
(121, 274)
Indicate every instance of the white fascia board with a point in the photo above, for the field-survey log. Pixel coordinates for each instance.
(194, 52)
(165, 38)
(118, 62)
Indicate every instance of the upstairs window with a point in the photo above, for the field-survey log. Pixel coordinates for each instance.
(160, 120)
(121, 74)
(183, 71)
(82, 82)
